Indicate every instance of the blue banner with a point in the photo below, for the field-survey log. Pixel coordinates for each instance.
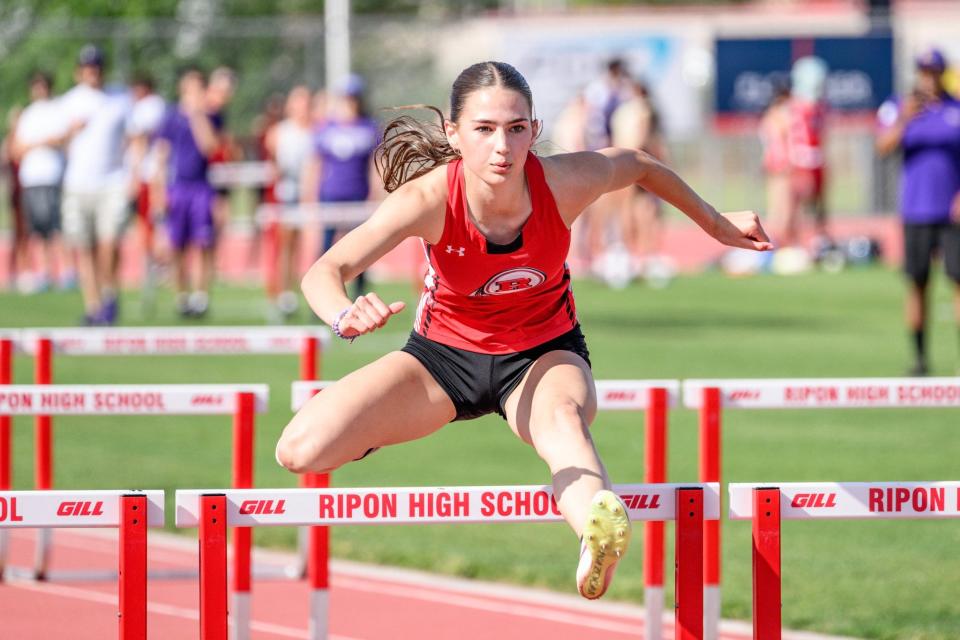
(748, 71)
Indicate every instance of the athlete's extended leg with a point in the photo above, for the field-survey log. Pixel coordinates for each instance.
(392, 400)
(552, 410)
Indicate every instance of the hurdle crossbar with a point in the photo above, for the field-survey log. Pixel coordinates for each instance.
(241, 401)
(132, 512)
(769, 503)
(655, 397)
(128, 341)
(307, 341)
(689, 505)
(710, 397)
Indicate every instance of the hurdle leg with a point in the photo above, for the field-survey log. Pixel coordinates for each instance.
(318, 570)
(43, 455)
(213, 567)
(655, 471)
(132, 572)
(766, 564)
(710, 463)
(242, 536)
(6, 377)
(688, 623)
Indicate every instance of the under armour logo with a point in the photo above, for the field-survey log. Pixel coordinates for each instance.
(459, 251)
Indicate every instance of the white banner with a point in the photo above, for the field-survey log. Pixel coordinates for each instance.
(424, 505)
(72, 508)
(612, 395)
(826, 393)
(127, 399)
(853, 500)
(99, 341)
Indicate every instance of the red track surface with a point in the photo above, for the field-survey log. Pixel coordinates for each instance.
(365, 602)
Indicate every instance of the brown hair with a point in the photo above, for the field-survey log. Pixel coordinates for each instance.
(411, 148)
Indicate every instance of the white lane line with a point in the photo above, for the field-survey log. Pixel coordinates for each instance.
(160, 608)
(468, 602)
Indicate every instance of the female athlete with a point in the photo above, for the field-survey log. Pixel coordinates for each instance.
(496, 328)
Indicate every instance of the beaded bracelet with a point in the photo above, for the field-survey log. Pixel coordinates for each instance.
(336, 326)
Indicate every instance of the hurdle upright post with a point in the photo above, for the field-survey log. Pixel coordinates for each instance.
(688, 554)
(213, 567)
(655, 472)
(43, 374)
(318, 571)
(316, 539)
(242, 479)
(710, 463)
(43, 453)
(767, 599)
(6, 377)
(132, 572)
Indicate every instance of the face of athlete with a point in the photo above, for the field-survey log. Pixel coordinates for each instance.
(493, 134)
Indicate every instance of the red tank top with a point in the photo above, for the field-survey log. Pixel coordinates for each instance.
(498, 299)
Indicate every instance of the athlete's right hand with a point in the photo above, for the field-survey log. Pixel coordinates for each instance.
(367, 314)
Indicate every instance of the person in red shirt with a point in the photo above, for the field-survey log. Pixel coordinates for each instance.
(806, 152)
(496, 328)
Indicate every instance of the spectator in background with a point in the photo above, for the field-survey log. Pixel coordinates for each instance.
(266, 236)
(603, 96)
(600, 220)
(290, 143)
(186, 139)
(636, 125)
(219, 93)
(925, 126)
(18, 267)
(775, 140)
(94, 185)
(342, 161)
(41, 171)
(805, 150)
(146, 116)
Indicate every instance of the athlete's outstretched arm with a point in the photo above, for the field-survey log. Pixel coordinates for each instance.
(581, 178)
(415, 209)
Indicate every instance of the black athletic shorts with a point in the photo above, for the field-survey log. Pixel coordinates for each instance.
(921, 242)
(42, 206)
(480, 383)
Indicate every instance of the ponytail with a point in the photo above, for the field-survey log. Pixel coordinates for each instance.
(411, 148)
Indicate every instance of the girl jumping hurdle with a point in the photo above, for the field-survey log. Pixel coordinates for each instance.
(496, 328)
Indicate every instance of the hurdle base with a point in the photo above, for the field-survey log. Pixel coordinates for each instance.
(653, 604)
(711, 612)
(319, 614)
(240, 616)
(93, 575)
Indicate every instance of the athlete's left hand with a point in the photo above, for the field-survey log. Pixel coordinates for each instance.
(741, 229)
(955, 209)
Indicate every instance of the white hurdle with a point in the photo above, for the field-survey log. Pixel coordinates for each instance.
(769, 503)
(654, 397)
(132, 512)
(215, 510)
(712, 396)
(46, 343)
(240, 401)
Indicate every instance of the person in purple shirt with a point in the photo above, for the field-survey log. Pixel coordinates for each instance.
(341, 167)
(925, 126)
(186, 139)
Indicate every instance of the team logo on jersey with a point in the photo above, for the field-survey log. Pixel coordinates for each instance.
(512, 281)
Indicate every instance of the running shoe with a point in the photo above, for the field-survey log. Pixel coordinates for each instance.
(606, 536)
